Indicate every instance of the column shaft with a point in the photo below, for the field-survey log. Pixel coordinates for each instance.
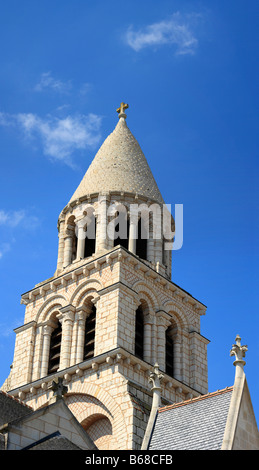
(47, 330)
(147, 339)
(162, 325)
(101, 232)
(132, 237)
(80, 336)
(67, 318)
(68, 250)
(80, 243)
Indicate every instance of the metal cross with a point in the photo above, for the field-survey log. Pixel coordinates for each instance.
(122, 108)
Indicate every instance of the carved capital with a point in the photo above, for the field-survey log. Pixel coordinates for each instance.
(48, 329)
(67, 313)
(163, 319)
(148, 319)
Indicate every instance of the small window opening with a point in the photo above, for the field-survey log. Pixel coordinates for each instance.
(141, 242)
(90, 239)
(169, 356)
(55, 348)
(90, 334)
(124, 239)
(139, 333)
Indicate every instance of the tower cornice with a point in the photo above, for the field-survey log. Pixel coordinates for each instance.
(116, 254)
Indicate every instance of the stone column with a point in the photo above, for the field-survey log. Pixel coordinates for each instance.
(177, 357)
(81, 314)
(37, 357)
(166, 258)
(133, 228)
(132, 237)
(68, 245)
(95, 302)
(80, 253)
(151, 242)
(47, 331)
(154, 340)
(66, 317)
(157, 235)
(148, 321)
(163, 322)
(101, 230)
(150, 249)
(61, 245)
(159, 253)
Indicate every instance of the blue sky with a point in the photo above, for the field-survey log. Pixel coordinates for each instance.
(189, 73)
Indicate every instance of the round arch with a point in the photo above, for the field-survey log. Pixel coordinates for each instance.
(146, 293)
(54, 302)
(90, 286)
(99, 402)
(177, 314)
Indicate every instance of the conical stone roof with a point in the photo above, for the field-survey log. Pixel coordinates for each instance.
(119, 165)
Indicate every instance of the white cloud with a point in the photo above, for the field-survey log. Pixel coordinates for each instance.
(11, 219)
(176, 31)
(85, 88)
(6, 329)
(4, 248)
(48, 82)
(60, 137)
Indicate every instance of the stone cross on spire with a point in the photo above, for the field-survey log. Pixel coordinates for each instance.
(59, 389)
(239, 352)
(121, 109)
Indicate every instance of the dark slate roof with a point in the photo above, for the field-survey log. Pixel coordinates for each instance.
(11, 408)
(196, 424)
(53, 441)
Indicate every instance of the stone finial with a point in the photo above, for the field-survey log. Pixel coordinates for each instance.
(239, 352)
(121, 109)
(59, 389)
(155, 377)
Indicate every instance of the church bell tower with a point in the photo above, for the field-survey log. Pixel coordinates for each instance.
(111, 310)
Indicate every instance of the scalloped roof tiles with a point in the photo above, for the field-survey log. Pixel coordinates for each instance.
(119, 165)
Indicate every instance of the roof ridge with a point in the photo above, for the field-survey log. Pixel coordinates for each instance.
(195, 399)
(16, 399)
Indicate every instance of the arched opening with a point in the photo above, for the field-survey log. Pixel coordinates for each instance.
(169, 351)
(139, 333)
(90, 333)
(122, 229)
(55, 348)
(99, 428)
(90, 238)
(141, 242)
(71, 248)
(74, 248)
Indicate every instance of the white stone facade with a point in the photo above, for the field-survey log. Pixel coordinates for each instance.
(109, 392)
(117, 282)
